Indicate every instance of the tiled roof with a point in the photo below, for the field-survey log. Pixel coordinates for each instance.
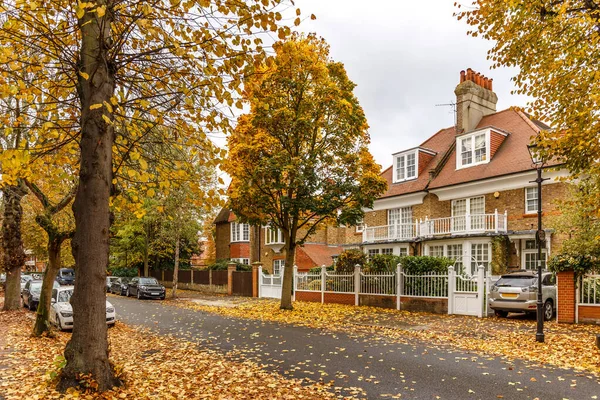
(320, 254)
(440, 143)
(511, 157)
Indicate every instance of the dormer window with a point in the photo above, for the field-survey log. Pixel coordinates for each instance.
(405, 166)
(473, 149)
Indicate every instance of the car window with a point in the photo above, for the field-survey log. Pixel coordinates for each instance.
(516, 281)
(134, 280)
(148, 281)
(549, 280)
(36, 287)
(64, 296)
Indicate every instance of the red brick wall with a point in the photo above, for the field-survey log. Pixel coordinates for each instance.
(239, 250)
(566, 297)
(496, 140)
(589, 314)
(222, 241)
(308, 296)
(340, 298)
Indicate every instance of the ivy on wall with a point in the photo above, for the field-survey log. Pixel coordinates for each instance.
(500, 254)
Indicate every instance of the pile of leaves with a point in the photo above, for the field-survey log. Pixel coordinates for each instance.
(152, 367)
(568, 346)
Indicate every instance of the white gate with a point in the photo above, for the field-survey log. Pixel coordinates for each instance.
(467, 294)
(269, 285)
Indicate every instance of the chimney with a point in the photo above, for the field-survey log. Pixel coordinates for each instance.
(474, 100)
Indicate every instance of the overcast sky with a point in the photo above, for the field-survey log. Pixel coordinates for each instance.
(405, 57)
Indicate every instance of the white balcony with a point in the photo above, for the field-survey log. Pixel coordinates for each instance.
(390, 232)
(459, 225)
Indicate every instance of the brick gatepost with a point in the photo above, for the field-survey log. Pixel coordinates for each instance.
(255, 268)
(565, 312)
(230, 270)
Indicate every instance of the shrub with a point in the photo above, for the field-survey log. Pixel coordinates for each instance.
(127, 272)
(348, 259)
(424, 264)
(315, 285)
(383, 263)
(317, 270)
(581, 264)
(221, 265)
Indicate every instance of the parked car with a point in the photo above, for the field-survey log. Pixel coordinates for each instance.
(517, 292)
(119, 286)
(145, 287)
(109, 281)
(61, 312)
(65, 276)
(31, 293)
(24, 280)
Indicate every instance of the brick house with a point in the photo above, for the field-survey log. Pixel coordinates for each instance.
(466, 192)
(247, 244)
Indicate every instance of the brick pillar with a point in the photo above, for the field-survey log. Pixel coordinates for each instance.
(566, 297)
(255, 268)
(230, 270)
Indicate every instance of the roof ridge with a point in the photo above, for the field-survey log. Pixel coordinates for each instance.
(528, 121)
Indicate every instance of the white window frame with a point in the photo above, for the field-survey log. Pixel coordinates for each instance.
(360, 226)
(536, 198)
(397, 250)
(239, 232)
(471, 138)
(472, 265)
(273, 236)
(404, 157)
(525, 251)
(278, 266)
(245, 261)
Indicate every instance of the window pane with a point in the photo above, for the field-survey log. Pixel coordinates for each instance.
(465, 149)
(278, 266)
(403, 251)
(373, 252)
(410, 166)
(531, 199)
(436, 251)
(387, 251)
(480, 256)
(477, 205)
(400, 168)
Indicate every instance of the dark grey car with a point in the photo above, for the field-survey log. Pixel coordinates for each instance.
(31, 293)
(145, 288)
(517, 292)
(119, 286)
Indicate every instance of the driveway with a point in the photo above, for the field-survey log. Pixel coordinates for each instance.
(367, 367)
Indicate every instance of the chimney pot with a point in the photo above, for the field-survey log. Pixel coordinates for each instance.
(462, 76)
(491, 81)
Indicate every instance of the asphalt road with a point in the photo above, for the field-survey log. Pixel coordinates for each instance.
(367, 367)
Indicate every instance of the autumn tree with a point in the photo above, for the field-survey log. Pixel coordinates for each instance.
(102, 65)
(556, 47)
(299, 159)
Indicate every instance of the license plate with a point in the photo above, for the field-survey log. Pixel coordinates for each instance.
(154, 294)
(510, 295)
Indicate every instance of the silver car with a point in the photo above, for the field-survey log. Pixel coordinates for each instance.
(517, 292)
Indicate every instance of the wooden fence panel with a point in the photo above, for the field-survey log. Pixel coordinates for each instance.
(242, 283)
(219, 277)
(185, 276)
(201, 277)
(168, 275)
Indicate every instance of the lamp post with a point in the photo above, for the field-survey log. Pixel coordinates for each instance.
(540, 237)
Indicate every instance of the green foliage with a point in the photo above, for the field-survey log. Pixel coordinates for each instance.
(383, 263)
(128, 272)
(424, 264)
(581, 264)
(222, 264)
(317, 270)
(500, 254)
(348, 259)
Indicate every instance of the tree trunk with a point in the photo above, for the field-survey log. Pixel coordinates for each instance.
(42, 323)
(12, 245)
(146, 269)
(288, 282)
(176, 269)
(87, 351)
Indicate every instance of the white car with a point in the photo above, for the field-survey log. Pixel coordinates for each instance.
(61, 312)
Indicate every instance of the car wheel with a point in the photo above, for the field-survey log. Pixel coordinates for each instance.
(139, 296)
(501, 314)
(548, 310)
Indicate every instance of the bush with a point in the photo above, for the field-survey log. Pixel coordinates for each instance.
(317, 270)
(417, 265)
(315, 285)
(126, 272)
(383, 263)
(221, 265)
(348, 259)
(581, 264)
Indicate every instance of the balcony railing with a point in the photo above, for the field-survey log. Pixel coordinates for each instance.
(459, 225)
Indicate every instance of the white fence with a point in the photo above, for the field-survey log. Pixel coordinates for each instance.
(465, 295)
(589, 290)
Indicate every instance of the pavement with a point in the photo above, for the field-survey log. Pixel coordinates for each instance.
(356, 365)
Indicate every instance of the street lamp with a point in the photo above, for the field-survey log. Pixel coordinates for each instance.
(540, 236)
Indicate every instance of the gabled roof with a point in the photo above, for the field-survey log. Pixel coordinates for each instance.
(511, 157)
(223, 216)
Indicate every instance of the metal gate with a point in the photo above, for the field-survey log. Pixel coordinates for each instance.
(242, 283)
